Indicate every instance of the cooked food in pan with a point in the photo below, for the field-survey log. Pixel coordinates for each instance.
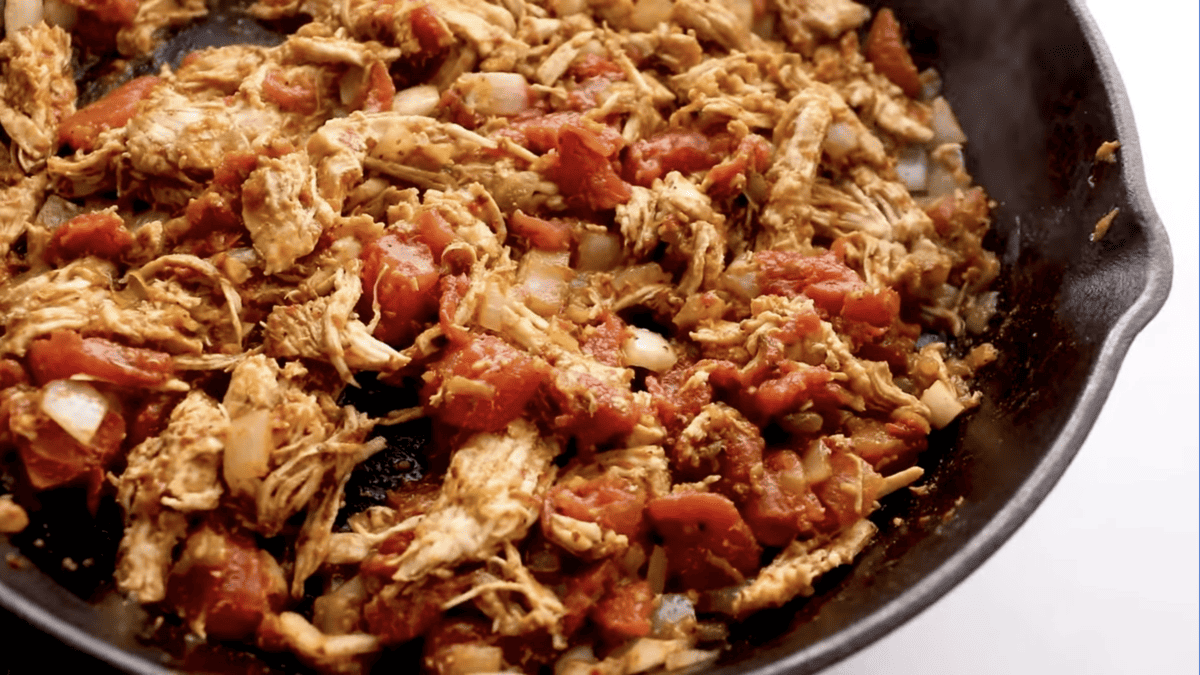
(661, 289)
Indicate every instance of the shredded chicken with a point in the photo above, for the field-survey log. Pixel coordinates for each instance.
(483, 324)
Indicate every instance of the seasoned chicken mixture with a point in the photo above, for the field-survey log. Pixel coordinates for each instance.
(659, 290)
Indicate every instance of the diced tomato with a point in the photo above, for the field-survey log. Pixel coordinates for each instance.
(431, 32)
(453, 290)
(12, 373)
(150, 417)
(593, 74)
(604, 342)
(832, 285)
(782, 509)
(486, 384)
(224, 581)
(797, 383)
(102, 234)
(611, 501)
(850, 493)
(590, 410)
(583, 168)
(885, 50)
(593, 65)
(581, 157)
(708, 544)
(64, 354)
(675, 403)
(678, 150)
(624, 613)
(294, 93)
(548, 235)
(377, 92)
(728, 178)
(397, 617)
(539, 133)
(584, 590)
(234, 169)
(121, 12)
(114, 111)
(433, 229)
(53, 458)
(402, 276)
(964, 210)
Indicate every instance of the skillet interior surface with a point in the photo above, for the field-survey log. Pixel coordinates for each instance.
(1036, 93)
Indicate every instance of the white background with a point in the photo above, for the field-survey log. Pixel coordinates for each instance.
(1102, 580)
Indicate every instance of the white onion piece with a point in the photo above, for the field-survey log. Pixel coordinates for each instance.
(945, 125)
(578, 659)
(912, 167)
(840, 140)
(351, 84)
(816, 463)
(544, 279)
(491, 310)
(468, 657)
(76, 406)
(21, 13)
(939, 182)
(598, 251)
(649, 13)
(61, 14)
(674, 609)
(248, 451)
(647, 349)
(943, 404)
(419, 100)
(639, 276)
(495, 93)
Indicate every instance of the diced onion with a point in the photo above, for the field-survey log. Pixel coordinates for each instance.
(943, 404)
(578, 659)
(598, 251)
(419, 100)
(647, 349)
(248, 451)
(491, 309)
(640, 276)
(649, 13)
(945, 125)
(912, 167)
(468, 658)
(544, 279)
(673, 611)
(840, 140)
(21, 13)
(351, 84)
(76, 406)
(495, 93)
(816, 463)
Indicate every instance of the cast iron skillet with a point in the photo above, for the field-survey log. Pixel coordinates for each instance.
(1037, 93)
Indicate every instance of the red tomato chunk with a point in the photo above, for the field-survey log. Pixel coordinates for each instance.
(402, 276)
(64, 353)
(486, 384)
(81, 129)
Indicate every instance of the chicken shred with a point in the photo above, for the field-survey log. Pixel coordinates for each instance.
(482, 322)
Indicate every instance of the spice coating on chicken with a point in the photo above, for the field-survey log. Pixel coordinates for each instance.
(657, 279)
